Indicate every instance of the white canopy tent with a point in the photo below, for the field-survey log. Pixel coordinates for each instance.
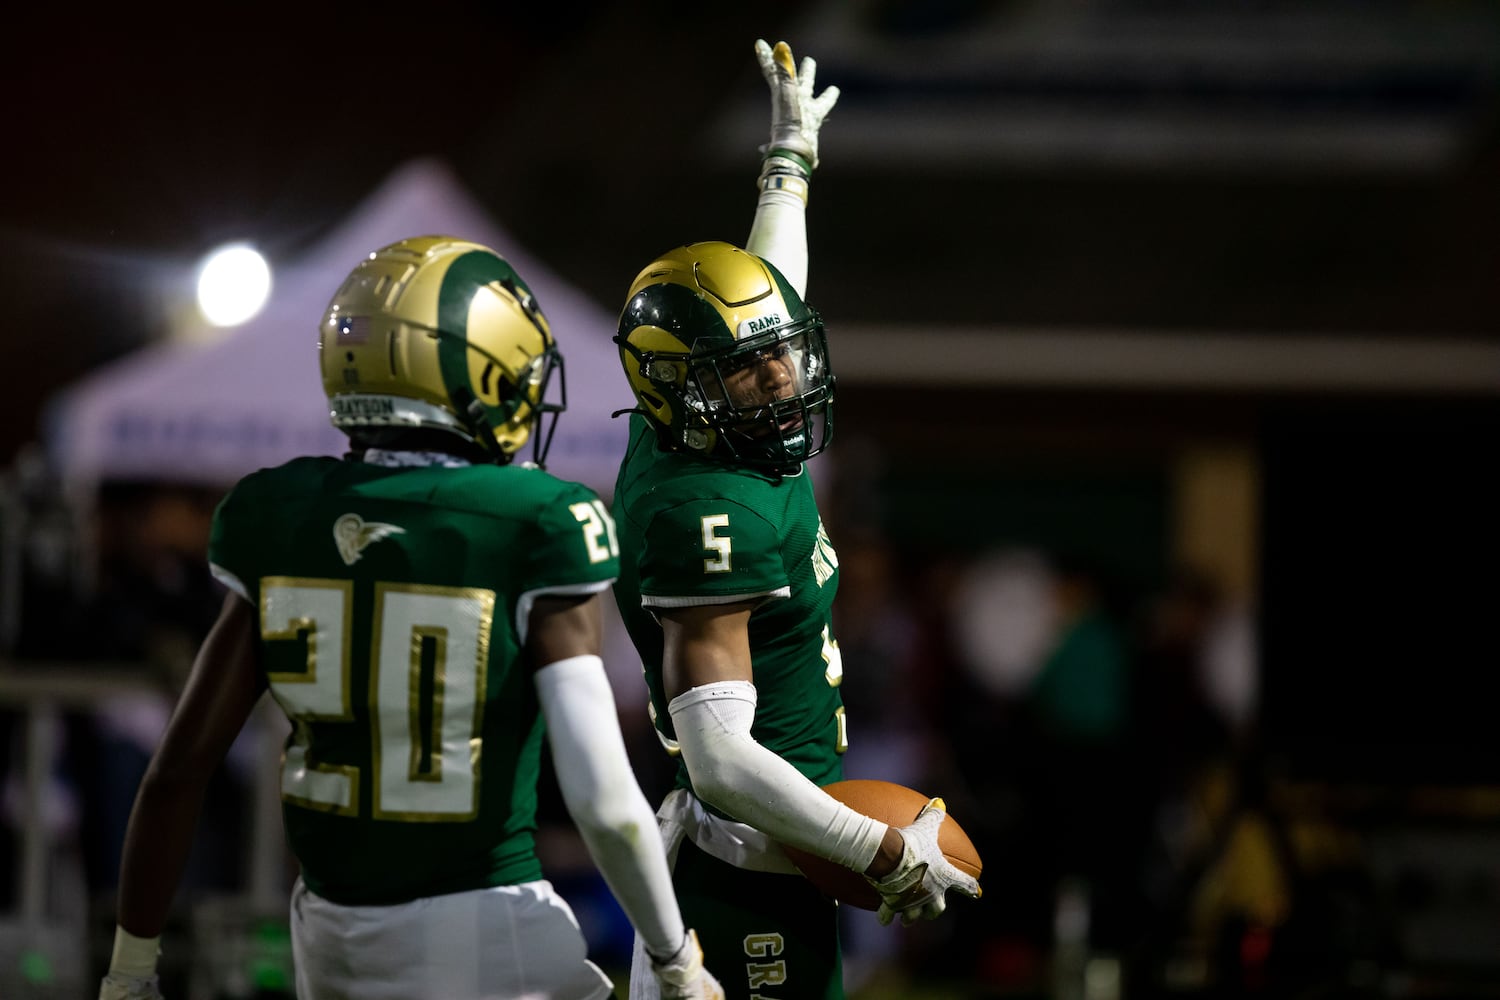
(209, 413)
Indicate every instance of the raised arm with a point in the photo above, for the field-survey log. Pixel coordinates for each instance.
(779, 231)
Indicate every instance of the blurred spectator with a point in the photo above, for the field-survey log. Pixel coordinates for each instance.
(1080, 703)
(889, 737)
(145, 600)
(154, 603)
(877, 636)
(1080, 694)
(1179, 726)
(156, 598)
(1196, 696)
(1178, 737)
(1005, 619)
(1231, 669)
(40, 563)
(1038, 717)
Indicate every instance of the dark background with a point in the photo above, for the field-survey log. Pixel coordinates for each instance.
(594, 132)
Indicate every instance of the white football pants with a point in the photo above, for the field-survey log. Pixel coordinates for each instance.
(512, 942)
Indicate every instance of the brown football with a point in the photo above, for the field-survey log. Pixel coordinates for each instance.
(892, 804)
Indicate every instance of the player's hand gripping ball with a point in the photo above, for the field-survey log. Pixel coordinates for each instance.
(892, 804)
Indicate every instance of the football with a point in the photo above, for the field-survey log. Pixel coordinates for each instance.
(892, 804)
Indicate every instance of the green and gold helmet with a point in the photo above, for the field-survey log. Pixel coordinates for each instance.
(725, 359)
(438, 333)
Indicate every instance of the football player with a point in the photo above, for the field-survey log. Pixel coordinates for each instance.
(726, 584)
(426, 611)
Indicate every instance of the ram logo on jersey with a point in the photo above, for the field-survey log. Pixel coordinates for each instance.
(352, 534)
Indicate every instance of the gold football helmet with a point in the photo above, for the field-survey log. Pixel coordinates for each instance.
(725, 359)
(440, 333)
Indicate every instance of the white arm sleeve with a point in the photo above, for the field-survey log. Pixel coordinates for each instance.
(779, 232)
(733, 772)
(604, 799)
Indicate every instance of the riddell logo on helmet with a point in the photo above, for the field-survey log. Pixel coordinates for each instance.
(758, 324)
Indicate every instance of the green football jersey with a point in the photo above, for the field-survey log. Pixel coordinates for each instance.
(697, 532)
(393, 603)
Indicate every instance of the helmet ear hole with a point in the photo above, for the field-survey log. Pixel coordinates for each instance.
(666, 372)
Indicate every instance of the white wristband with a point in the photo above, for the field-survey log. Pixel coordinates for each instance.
(134, 956)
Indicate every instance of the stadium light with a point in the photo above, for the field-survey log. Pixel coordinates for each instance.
(234, 283)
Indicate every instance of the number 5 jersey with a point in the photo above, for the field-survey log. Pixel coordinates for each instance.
(696, 532)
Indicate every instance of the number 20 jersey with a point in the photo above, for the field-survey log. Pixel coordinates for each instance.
(392, 606)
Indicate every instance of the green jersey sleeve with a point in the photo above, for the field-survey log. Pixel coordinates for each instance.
(232, 546)
(575, 548)
(710, 550)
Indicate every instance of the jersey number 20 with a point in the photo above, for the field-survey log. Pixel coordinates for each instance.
(428, 656)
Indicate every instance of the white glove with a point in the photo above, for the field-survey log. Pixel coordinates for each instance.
(917, 887)
(120, 987)
(796, 115)
(683, 977)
